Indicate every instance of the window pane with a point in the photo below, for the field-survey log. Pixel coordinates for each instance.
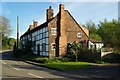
(41, 53)
(47, 48)
(46, 53)
(40, 48)
(46, 40)
(47, 34)
(43, 40)
(40, 42)
(53, 31)
(79, 34)
(53, 46)
(43, 47)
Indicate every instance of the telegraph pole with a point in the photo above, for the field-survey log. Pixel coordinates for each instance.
(17, 31)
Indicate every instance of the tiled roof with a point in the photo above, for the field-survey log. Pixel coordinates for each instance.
(95, 41)
(37, 28)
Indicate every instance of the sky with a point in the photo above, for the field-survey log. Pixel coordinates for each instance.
(81, 11)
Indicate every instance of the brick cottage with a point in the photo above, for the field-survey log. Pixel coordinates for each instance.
(51, 38)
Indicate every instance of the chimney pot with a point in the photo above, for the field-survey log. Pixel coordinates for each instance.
(49, 14)
(61, 7)
(30, 27)
(49, 7)
(35, 24)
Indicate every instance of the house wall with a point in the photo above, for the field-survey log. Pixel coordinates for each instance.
(38, 37)
(52, 38)
(96, 45)
(66, 32)
(99, 45)
(72, 29)
(63, 36)
(91, 45)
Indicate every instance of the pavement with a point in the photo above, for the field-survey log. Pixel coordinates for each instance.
(27, 70)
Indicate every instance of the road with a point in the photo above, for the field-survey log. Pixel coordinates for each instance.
(19, 70)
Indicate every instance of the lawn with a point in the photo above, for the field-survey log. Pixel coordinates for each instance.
(66, 66)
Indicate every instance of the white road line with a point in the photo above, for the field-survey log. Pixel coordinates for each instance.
(35, 75)
(9, 65)
(3, 62)
(16, 69)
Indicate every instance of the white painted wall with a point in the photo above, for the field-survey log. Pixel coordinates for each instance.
(90, 45)
(95, 45)
(39, 36)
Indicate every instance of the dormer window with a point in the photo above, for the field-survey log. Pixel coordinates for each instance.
(53, 31)
(79, 35)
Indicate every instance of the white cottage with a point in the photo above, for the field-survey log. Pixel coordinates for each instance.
(93, 44)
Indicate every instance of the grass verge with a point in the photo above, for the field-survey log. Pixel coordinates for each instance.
(66, 66)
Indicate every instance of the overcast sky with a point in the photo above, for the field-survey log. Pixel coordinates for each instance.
(81, 11)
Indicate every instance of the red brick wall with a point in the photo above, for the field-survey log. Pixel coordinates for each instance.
(63, 37)
(68, 32)
(72, 29)
(52, 24)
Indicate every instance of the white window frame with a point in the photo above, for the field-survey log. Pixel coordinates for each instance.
(46, 40)
(79, 35)
(47, 34)
(47, 47)
(52, 47)
(53, 32)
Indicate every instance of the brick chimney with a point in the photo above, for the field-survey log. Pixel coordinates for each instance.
(61, 11)
(63, 36)
(61, 7)
(35, 24)
(30, 27)
(49, 13)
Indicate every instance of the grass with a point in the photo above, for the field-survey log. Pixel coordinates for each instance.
(66, 66)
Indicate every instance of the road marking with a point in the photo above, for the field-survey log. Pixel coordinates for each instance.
(16, 69)
(9, 65)
(35, 75)
(3, 62)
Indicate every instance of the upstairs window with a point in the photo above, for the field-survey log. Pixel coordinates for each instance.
(79, 35)
(53, 31)
(43, 47)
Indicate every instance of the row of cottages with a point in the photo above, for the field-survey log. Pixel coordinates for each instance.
(51, 38)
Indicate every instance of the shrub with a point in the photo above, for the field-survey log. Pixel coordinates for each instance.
(49, 60)
(41, 60)
(100, 62)
(58, 59)
(89, 55)
(84, 54)
(112, 58)
(71, 57)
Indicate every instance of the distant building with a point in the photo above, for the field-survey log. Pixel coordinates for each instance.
(51, 37)
(94, 44)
